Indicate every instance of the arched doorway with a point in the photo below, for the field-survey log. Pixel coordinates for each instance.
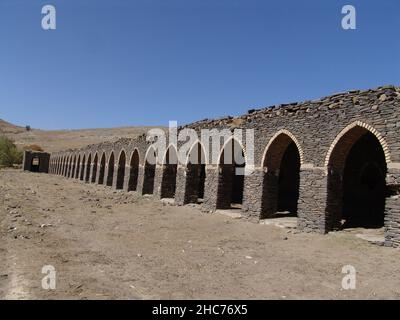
(94, 171)
(281, 183)
(110, 172)
(72, 173)
(134, 171)
(231, 176)
(88, 163)
(149, 171)
(195, 174)
(82, 171)
(102, 168)
(121, 170)
(78, 167)
(170, 166)
(356, 181)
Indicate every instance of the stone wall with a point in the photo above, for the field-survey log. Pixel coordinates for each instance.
(323, 132)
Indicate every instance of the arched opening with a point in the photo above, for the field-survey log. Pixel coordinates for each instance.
(134, 171)
(87, 176)
(110, 172)
(94, 171)
(170, 166)
(149, 172)
(65, 170)
(69, 167)
(121, 170)
(281, 181)
(82, 169)
(35, 164)
(78, 167)
(231, 176)
(102, 168)
(195, 175)
(72, 173)
(356, 181)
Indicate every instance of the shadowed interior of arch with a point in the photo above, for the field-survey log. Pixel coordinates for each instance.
(195, 175)
(281, 180)
(231, 176)
(133, 171)
(82, 169)
(77, 167)
(149, 172)
(170, 166)
(86, 175)
(356, 182)
(110, 172)
(94, 170)
(121, 170)
(102, 169)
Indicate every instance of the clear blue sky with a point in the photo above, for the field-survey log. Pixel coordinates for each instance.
(144, 62)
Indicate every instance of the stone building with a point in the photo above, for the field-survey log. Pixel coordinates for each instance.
(333, 163)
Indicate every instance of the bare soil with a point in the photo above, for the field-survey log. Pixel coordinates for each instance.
(107, 244)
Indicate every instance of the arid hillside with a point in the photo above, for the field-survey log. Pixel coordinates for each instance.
(55, 140)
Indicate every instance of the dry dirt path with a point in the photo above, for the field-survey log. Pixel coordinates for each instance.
(114, 245)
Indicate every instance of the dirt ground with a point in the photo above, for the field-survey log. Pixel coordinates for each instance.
(107, 244)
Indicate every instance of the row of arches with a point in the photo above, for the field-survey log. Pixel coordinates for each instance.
(356, 167)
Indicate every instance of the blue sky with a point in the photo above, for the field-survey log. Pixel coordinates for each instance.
(144, 62)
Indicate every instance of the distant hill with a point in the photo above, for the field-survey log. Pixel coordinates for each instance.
(56, 140)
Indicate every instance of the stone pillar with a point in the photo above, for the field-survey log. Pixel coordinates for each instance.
(126, 178)
(312, 199)
(158, 181)
(181, 186)
(210, 188)
(140, 180)
(252, 194)
(392, 206)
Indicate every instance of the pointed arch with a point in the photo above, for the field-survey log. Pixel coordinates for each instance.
(134, 170)
(82, 169)
(169, 171)
(86, 175)
(149, 170)
(94, 170)
(281, 162)
(121, 169)
(195, 173)
(102, 168)
(231, 166)
(356, 184)
(110, 171)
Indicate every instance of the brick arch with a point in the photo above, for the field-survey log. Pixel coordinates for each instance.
(77, 167)
(86, 172)
(82, 168)
(232, 140)
(340, 157)
(169, 172)
(121, 167)
(170, 146)
(94, 169)
(134, 162)
(343, 142)
(277, 146)
(102, 168)
(202, 150)
(149, 171)
(110, 169)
